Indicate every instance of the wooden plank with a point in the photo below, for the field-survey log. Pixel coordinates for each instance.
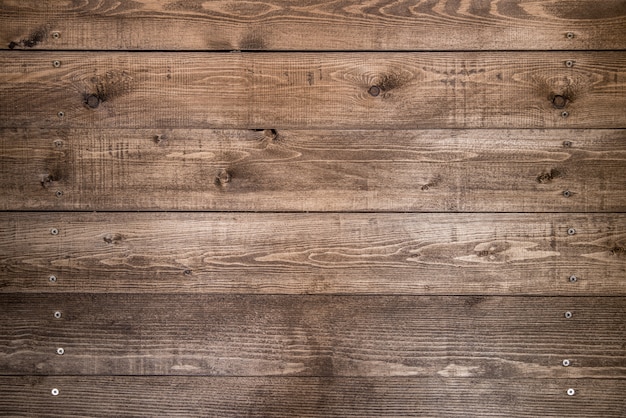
(244, 170)
(318, 25)
(309, 397)
(313, 90)
(264, 335)
(499, 254)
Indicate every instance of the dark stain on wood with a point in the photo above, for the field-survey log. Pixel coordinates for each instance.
(34, 39)
(550, 176)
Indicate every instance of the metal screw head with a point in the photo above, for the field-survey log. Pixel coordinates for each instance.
(57, 314)
(58, 193)
(54, 231)
(565, 114)
(567, 193)
(569, 64)
(566, 363)
(56, 64)
(60, 351)
(54, 392)
(571, 231)
(568, 314)
(374, 91)
(573, 279)
(52, 278)
(56, 35)
(61, 114)
(571, 392)
(570, 35)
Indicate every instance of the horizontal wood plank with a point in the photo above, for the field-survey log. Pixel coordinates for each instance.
(508, 254)
(314, 25)
(313, 90)
(309, 397)
(245, 170)
(262, 335)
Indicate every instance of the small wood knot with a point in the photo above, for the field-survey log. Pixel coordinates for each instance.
(160, 139)
(222, 177)
(559, 101)
(92, 101)
(271, 134)
(374, 91)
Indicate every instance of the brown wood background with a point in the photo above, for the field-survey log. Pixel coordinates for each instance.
(322, 208)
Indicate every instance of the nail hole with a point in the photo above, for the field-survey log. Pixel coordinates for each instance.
(56, 64)
(374, 91)
(573, 279)
(58, 193)
(567, 193)
(61, 114)
(57, 314)
(54, 392)
(570, 35)
(567, 144)
(571, 231)
(187, 272)
(566, 363)
(60, 351)
(54, 231)
(52, 278)
(58, 143)
(56, 35)
(571, 392)
(568, 314)
(569, 64)
(565, 114)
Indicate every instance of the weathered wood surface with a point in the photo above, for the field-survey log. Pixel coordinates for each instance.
(313, 90)
(317, 25)
(244, 170)
(444, 254)
(263, 335)
(309, 397)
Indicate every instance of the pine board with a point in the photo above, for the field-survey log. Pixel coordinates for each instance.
(352, 336)
(309, 397)
(158, 90)
(269, 253)
(314, 25)
(246, 170)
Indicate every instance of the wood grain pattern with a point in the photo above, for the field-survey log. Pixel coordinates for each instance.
(314, 25)
(313, 90)
(263, 335)
(507, 254)
(309, 397)
(245, 170)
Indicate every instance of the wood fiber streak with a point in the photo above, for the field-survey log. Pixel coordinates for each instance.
(264, 335)
(440, 254)
(314, 25)
(309, 397)
(313, 90)
(247, 170)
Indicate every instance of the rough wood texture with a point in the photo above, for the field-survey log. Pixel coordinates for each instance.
(313, 90)
(314, 25)
(263, 335)
(243, 170)
(508, 254)
(310, 397)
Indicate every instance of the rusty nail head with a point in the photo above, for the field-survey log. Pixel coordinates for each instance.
(60, 351)
(571, 392)
(567, 193)
(52, 278)
(56, 64)
(54, 231)
(374, 91)
(568, 315)
(57, 314)
(571, 231)
(569, 64)
(56, 35)
(573, 279)
(570, 35)
(54, 392)
(566, 363)
(565, 114)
